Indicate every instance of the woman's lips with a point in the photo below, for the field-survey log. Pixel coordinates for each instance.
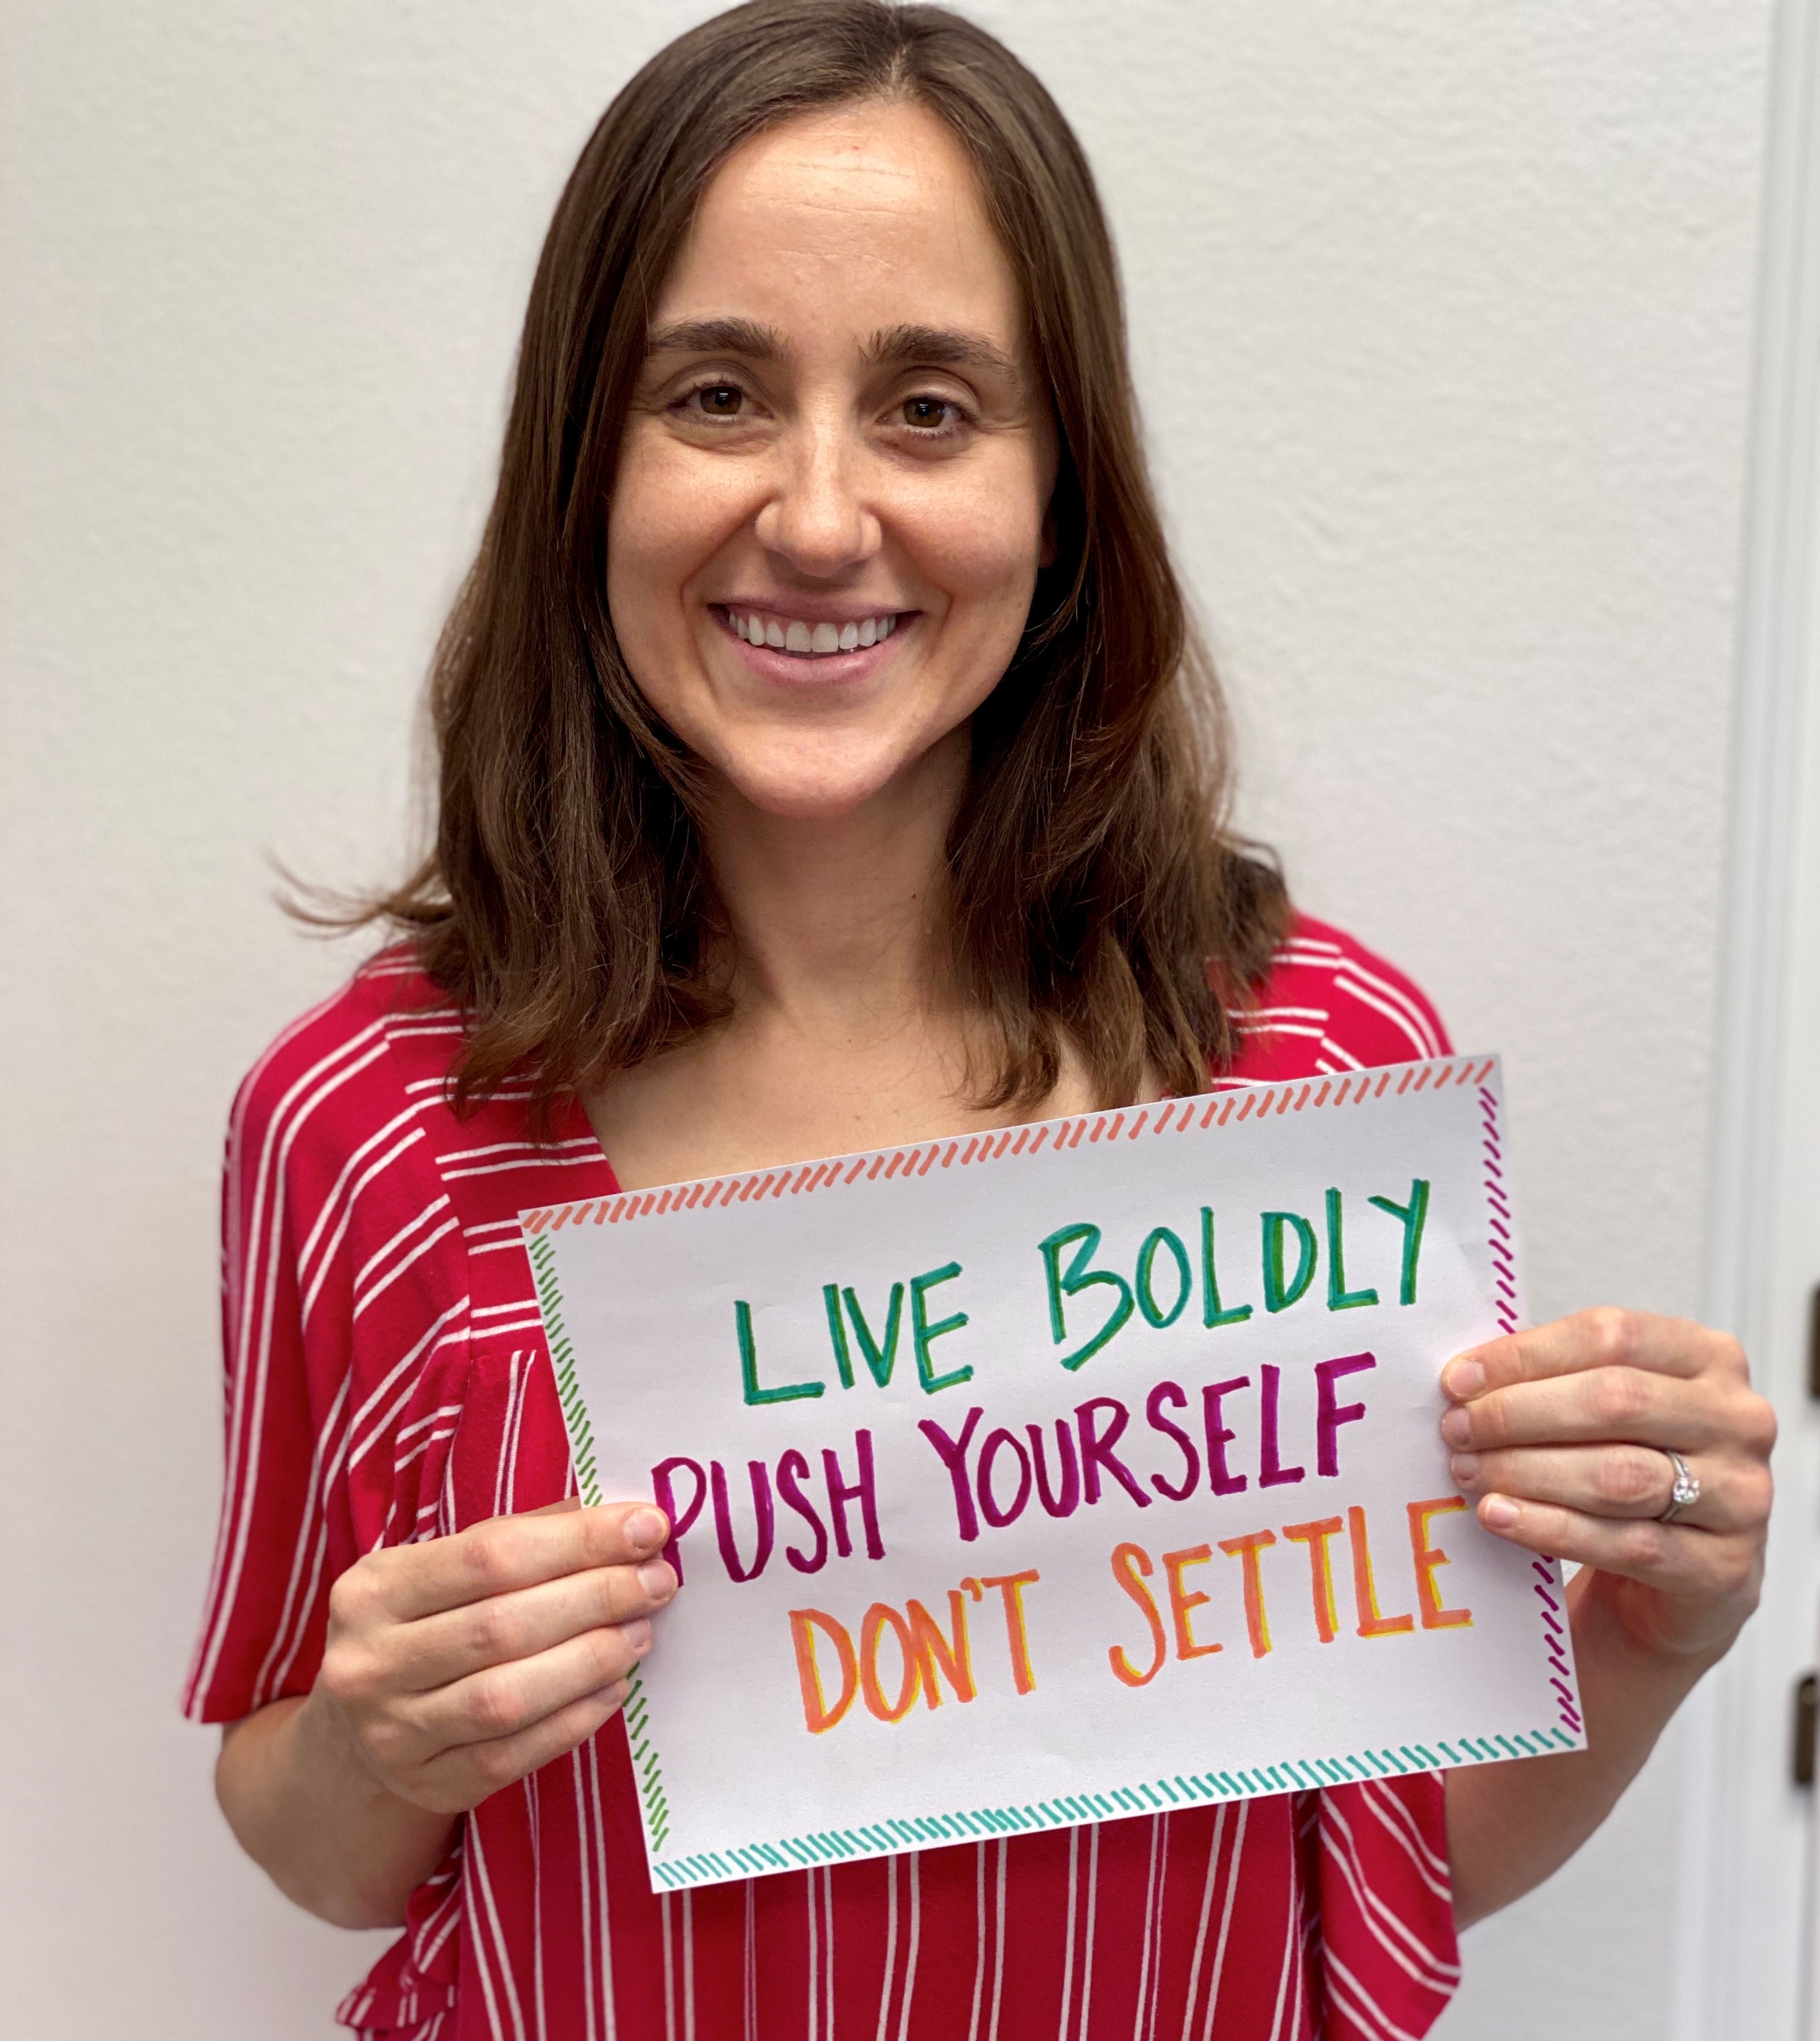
(797, 647)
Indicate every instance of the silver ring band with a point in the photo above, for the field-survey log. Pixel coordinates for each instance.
(1685, 1493)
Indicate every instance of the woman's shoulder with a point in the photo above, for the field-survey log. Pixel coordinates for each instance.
(1329, 1004)
(334, 1066)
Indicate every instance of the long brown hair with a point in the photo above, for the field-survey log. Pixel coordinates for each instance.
(568, 906)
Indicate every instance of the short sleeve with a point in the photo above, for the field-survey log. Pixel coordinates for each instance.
(266, 1614)
(1329, 1005)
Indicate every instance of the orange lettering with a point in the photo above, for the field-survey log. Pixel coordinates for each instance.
(1247, 1549)
(1128, 1562)
(816, 1712)
(1427, 1558)
(878, 1618)
(1183, 1605)
(1365, 1592)
(935, 1651)
(1315, 1536)
(1011, 1588)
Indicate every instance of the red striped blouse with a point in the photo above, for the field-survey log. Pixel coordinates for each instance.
(387, 1381)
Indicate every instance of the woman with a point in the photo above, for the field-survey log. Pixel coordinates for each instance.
(825, 763)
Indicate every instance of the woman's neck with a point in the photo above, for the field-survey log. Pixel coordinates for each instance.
(839, 922)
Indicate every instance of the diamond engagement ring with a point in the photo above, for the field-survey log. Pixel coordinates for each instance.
(1686, 1490)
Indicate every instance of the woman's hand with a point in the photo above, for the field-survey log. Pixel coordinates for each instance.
(1562, 1434)
(454, 1667)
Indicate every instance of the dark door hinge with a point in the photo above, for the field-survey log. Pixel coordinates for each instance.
(1805, 1711)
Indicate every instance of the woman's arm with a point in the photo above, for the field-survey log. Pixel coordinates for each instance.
(1563, 1433)
(451, 1669)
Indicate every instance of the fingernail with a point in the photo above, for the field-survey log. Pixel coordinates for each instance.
(1456, 1428)
(1465, 1468)
(637, 1634)
(1462, 1380)
(646, 1529)
(657, 1579)
(1499, 1513)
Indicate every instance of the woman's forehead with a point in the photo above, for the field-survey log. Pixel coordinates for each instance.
(866, 215)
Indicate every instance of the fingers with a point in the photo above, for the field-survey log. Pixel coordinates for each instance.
(461, 1778)
(504, 1701)
(509, 1553)
(455, 1642)
(1675, 1558)
(1603, 1338)
(1620, 1481)
(1604, 1403)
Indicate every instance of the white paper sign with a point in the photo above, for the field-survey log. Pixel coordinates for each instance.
(1059, 1473)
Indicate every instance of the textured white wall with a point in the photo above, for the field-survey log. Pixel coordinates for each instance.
(1441, 315)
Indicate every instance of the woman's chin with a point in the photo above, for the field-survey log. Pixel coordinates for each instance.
(827, 789)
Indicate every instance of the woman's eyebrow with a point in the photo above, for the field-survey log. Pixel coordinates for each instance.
(947, 347)
(719, 336)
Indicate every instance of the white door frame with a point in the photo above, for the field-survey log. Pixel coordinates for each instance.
(1742, 1972)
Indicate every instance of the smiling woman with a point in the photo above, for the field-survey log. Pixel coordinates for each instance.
(826, 763)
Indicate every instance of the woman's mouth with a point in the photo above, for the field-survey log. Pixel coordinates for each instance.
(794, 635)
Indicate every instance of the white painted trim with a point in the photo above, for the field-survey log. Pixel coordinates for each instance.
(1741, 1906)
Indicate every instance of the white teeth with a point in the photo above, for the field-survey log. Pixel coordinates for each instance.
(815, 640)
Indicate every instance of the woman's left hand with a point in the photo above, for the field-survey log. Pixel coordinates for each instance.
(1562, 1434)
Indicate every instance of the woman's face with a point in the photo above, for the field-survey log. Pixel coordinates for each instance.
(830, 502)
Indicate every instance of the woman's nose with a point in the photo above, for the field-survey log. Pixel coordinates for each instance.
(818, 518)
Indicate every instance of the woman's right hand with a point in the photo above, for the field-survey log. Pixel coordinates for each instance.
(455, 1666)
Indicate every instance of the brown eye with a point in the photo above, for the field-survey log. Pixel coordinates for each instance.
(927, 414)
(721, 400)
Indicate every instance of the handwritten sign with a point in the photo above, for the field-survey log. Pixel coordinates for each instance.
(1059, 1474)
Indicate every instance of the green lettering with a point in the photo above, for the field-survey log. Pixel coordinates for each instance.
(1161, 1237)
(1414, 1217)
(1211, 1313)
(837, 1334)
(748, 1364)
(1339, 1297)
(923, 1333)
(1278, 1295)
(1077, 1277)
(880, 1361)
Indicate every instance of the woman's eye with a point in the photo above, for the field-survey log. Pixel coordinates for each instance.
(927, 414)
(718, 400)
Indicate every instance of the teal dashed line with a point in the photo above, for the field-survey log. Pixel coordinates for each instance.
(891, 1836)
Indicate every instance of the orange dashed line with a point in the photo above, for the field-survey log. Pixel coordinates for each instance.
(1302, 1099)
(1017, 1146)
(878, 1163)
(928, 1158)
(1165, 1116)
(1212, 1108)
(1226, 1111)
(1321, 1096)
(1422, 1077)
(1004, 1141)
(967, 1153)
(1099, 1128)
(1042, 1135)
(746, 1189)
(1283, 1103)
(651, 1199)
(1250, 1101)
(893, 1166)
(1138, 1127)
(1405, 1085)
(1383, 1081)
(780, 1187)
(663, 1204)
(1080, 1128)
